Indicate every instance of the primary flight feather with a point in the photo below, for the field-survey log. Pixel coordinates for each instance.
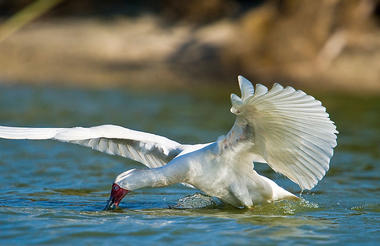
(283, 127)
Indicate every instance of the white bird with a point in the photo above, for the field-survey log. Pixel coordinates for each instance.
(283, 127)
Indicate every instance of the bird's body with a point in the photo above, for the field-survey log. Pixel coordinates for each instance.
(283, 127)
(207, 170)
(236, 182)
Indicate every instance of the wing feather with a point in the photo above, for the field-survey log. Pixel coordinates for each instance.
(289, 129)
(149, 149)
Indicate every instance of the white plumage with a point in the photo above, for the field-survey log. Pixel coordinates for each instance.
(283, 127)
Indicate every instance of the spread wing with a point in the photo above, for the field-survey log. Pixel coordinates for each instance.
(149, 149)
(290, 130)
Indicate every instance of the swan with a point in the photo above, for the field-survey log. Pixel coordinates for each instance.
(283, 127)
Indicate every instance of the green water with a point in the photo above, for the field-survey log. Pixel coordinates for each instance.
(54, 192)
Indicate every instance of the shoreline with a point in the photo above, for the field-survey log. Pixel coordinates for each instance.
(143, 52)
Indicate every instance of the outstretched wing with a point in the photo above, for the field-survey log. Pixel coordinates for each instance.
(149, 149)
(290, 130)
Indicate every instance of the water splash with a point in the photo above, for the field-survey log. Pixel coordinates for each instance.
(197, 200)
(284, 207)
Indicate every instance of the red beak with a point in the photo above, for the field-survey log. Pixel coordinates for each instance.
(117, 194)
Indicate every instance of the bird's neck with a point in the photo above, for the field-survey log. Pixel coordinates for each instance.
(157, 177)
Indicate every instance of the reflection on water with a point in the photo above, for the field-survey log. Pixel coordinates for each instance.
(58, 190)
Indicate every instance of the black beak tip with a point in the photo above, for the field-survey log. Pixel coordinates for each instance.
(109, 205)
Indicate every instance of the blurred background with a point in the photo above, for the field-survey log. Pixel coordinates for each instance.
(331, 45)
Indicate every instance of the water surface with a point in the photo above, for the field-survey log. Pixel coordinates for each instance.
(54, 192)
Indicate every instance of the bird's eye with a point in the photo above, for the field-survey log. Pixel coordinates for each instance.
(115, 188)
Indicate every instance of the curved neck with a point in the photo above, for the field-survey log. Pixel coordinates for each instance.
(156, 177)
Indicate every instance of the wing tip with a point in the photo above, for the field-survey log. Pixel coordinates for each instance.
(246, 87)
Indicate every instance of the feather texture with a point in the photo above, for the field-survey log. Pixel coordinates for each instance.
(246, 87)
(290, 130)
(149, 149)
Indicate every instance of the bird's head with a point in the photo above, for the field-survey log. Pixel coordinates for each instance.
(120, 189)
(117, 194)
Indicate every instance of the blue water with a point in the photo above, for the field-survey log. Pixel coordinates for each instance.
(54, 193)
